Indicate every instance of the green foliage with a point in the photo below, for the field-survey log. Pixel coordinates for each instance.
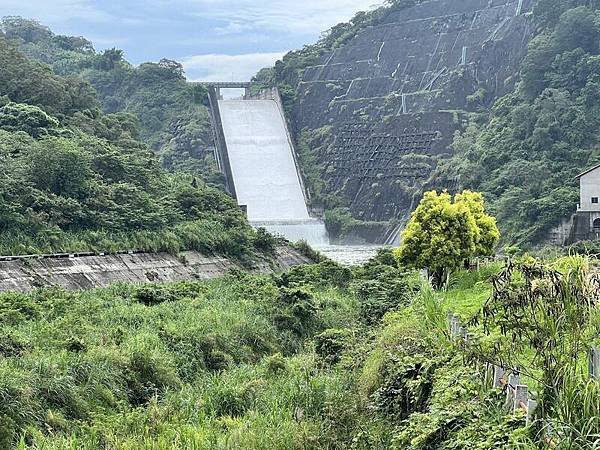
(295, 312)
(331, 343)
(30, 119)
(488, 230)
(326, 274)
(545, 131)
(127, 364)
(172, 113)
(202, 365)
(380, 286)
(339, 221)
(554, 317)
(264, 241)
(82, 181)
(442, 234)
(30, 82)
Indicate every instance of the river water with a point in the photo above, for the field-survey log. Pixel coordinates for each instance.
(351, 255)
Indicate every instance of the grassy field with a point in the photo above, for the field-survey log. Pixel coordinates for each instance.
(319, 357)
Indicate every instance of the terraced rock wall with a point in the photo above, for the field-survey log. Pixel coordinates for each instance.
(394, 95)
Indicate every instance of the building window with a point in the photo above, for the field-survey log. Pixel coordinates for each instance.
(596, 225)
(594, 199)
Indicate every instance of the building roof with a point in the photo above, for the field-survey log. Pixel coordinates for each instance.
(587, 171)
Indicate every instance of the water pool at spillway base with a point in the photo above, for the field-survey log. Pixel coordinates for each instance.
(349, 255)
(310, 230)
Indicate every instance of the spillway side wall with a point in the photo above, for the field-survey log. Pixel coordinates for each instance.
(90, 272)
(286, 122)
(220, 142)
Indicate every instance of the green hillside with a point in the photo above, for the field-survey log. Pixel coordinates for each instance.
(173, 115)
(320, 357)
(526, 154)
(73, 178)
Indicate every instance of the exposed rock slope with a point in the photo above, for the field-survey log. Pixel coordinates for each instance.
(395, 93)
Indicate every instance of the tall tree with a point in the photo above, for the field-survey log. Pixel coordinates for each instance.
(444, 232)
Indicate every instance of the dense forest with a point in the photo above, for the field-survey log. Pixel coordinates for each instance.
(173, 115)
(74, 178)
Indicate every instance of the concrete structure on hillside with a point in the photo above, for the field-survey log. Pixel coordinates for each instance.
(218, 85)
(586, 222)
(584, 225)
(255, 151)
(88, 270)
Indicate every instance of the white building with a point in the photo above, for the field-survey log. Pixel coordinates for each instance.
(589, 203)
(584, 225)
(589, 189)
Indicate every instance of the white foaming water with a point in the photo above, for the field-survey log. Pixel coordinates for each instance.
(312, 230)
(350, 255)
(264, 170)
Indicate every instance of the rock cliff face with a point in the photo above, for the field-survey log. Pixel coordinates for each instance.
(394, 94)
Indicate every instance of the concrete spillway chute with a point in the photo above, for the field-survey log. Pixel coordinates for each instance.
(256, 154)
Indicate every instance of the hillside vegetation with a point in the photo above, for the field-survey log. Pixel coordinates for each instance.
(526, 155)
(522, 153)
(73, 178)
(173, 116)
(319, 357)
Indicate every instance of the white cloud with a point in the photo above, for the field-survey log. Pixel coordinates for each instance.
(55, 11)
(308, 16)
(216, 67)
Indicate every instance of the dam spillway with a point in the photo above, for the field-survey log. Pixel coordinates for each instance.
(262, 164)
(263, 169)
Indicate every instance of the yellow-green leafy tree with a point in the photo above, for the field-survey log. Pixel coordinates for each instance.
(444, 232)
(489, 235)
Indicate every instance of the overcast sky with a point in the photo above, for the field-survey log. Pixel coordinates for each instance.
(215, 39)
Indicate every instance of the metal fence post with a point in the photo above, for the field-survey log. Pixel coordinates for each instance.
(595, 362)
(498, 377)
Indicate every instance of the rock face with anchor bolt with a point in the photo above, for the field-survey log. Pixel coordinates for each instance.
(388, 95)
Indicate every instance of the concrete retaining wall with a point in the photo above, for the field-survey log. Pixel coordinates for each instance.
(86, 272)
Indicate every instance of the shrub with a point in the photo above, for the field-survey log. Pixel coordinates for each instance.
(264, 241)
(151, 295)
(15, 308)
(325, 273)
(330, 344)
(147, 375)
(8, 431)
(296, 312)
(381, 289)
(12, 345)
(406, 387)
(276, 364)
